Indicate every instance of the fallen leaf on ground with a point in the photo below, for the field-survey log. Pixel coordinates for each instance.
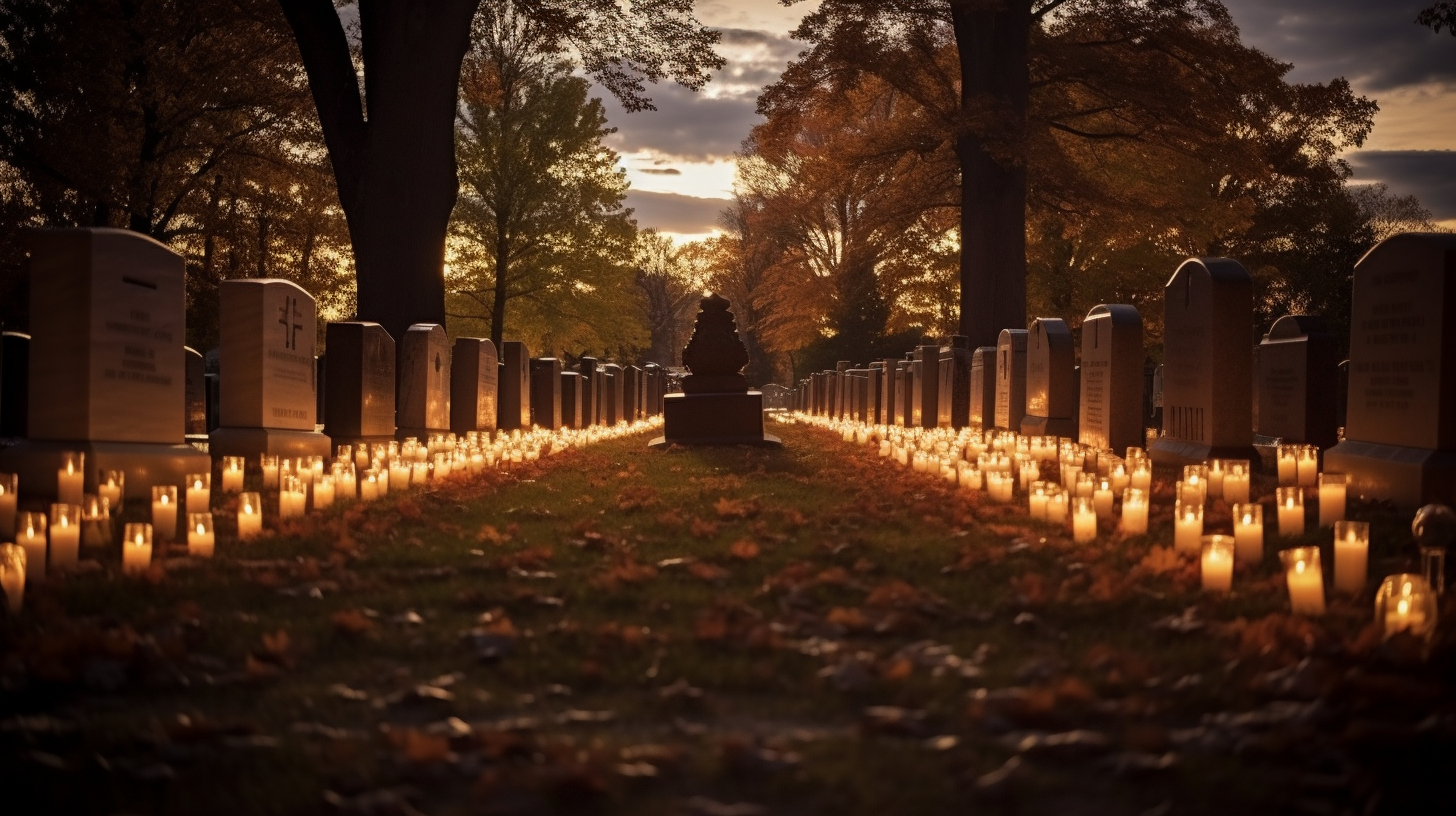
(351, 622)
(743, 549)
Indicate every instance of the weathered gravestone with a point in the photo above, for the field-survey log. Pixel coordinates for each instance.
(195, 409)
(267, 333)
(361, 383)
(587, 367)
(546, 393)
(1111, 406)
(1400, 425)
(927, 386)
(889, 393)
(981, 412)
(1010, 379)
(875, 393)
(474, 385)
(570, 399)
(858, 390)
(320, 381)
(1051, 394)
(612, 393)
(106, 374)
(913, 409)
(1207, 364)
(654, 376)
(1296, 385)
(14, 383)
(631, 392)
(513, 406)
(424, 382)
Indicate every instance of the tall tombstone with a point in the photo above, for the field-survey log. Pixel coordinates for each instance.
(513, 402)
(831, 391)
(888, 395)
(958, 402)
(1111, 407)
(618, 393)
(106, 374)
(859, 392)
(1208, 328)
(927, 385)
(653, 376)
(195, 408)
(570, 399)
(267, 333)
(875, 399)
(981, 413)
(897, 388)
(611, 394)
(1010, 379)
(1296, 387)
(546, 393)
(587, 367)
(474, 385)
(1400, 425)
(320, 381)
(14, 383)
(631, 392)
(361, 383)
(424, 382)
(1051, 392)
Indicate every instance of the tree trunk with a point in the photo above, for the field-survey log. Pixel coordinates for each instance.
(502, 270)
(993, 44)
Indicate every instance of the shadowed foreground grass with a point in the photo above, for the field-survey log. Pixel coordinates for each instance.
(710, 631)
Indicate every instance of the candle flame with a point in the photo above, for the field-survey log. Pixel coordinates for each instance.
(1248, 518)
(164, 498)
(200, 530)
(1299, 566)
(70, 467)
(1403, 607)
(1405, 589)
(139, 541)
(1289, 502)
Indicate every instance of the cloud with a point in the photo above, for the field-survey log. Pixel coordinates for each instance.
(660, 171)
(1373, 43)
(1429, 175)
(670, 212)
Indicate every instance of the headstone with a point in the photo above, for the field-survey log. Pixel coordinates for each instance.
(927, 386)
(320, 379)
(214, 402)
(1010, 379)
(960, 380)
(1050, 383)
(1208, 327)
(612, 393)
(654, 377)
(632, 393)
(513, 407)
(945, 389)
(981, 413)
(195, 409)
(587, 366)
(1296, 387)
(1342, 394)
(1111, 410)
(14, 383)
(546, 393)
(268, 333)
(1400, 424)
(570, 399)
(889, 395)
(857, 407)
(898, 375)
(424, 382)
(716, 406)
(474, 385)
(876, 394)
(106, 373)
(360, 383)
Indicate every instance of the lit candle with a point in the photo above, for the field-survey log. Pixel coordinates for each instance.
(112, 487)
(361, 457)
(323, 492)
(1086, 484)
(885, 448)
(1306, 581)
(95, 521)
(420, 471)
(164, 512)
(71, 478)
(1218, 563)
(345, 488)
(31, 536)
(12, 575)
(1188, 527)
(1102, 497)
(9, 484)
(1142, 476)
(1134, 511)
(232, 474)
(1056, 505)
(1236, 481)
(269, 466)
(136, 549)
(1036, 498)
(65, 529)
(199, 492)
(1288, 458)
(1308, 465)
(999, 486)
(1291, 510)
(1084, 519)
(250, 516)
(443, 465)
(1215, 475)
(1352, 555)
(291, 497)
(344, 453)
(1121, 478)
(369, 487)
(1406, 603)
(1249, 533)
(399, 474)
(1331, 498)
(382, 473)
(315, 467)
(200, 540)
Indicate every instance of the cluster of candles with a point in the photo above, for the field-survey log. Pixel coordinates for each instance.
(364, 472)
(1091, 485)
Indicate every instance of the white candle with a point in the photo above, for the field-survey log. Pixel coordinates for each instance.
(200, 540)
(1306, 582)
(999, 486)
(1036, 498)
(1086, 484)
(1331, 498)
(1084, 519)
(1249, 533)
(1134, 511)
(232, 474)
(1352, 555)
(399, 474)
(323, 492)
(199, 492)
(71, 478)
(1142, 476)
(291, 497)
(136, 549)
(164, 512)
(1102, 498)
(1056, 506)
(95, 522)
(112, 488)
(1218, 563)
(1291, 510)
(270, 472)
(361, 457)
(420, 471)
(12, 575)
(1405, 603)
(1236, 482)
(885, 448)
(1308, 465)
(250, 516)
(9, 484)
(1288, 457)
(65, 529)
(1215, 475)
(1027, 470)
(1188, 527)
(31, 536)
(443, 466)
(1121, 478)
(369, 487)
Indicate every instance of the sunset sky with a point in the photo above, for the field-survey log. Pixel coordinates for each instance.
(680, 158)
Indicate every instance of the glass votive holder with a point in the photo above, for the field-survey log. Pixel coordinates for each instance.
(233, 470)
(1236, 481)
(250, 516)
(136, 548)
(12, 575)
(1307, 465)
(1287, 457)
(164, 512)
(1305, 578)
(1248, 532)
(271, 469)
(65, 532)
(9, 493)
(1084, 519)
(1188, 527)
(30, 534)
(1289, 501)
(1406, 603)
(1134, 511)
(1216, 471)
(71, 478)
(1056, 505)
(1352, 555)
(111, 485)
(199, 492)
(1218, 563)
(95, 521)
(1332, 487)
(200, 539)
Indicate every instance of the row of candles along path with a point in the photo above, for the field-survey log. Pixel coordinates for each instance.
(305, 483)
(1092, 482)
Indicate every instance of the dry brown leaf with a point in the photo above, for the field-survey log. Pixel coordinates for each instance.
(702, 528)
(1160, 560)
(351, 622)
(418, 747)
(636, 497)
(850, 617)
(489, 534)
(734, 508)
(743, 549)
(711, 625)
(707, 571)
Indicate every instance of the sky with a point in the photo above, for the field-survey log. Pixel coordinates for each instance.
(679, 158)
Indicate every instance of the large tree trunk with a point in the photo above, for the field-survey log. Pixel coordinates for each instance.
(395, 163)
(993, 43)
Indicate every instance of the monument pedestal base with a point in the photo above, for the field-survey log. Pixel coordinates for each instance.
(422, 435)
(714, 419)
(1165, 451)
(36, 461)
(356, 441)
(1408, 477)
(270, 442)
(1049, 426)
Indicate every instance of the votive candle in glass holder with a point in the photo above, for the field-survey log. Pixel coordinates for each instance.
(1236, 481)
(323, 491)
(1102, 497)
(164, 512)
(999, 486)
(1248, 533)
(250, 516)
(9, 487)
(1036, 500)
(1188, 527)
(1056, 505)
(199, 492)
(1196, 477)
(71, 478)
(30, 534)
(1288, 458)
(361, 456)
(12, 575)
(1352, 555)
(292, 495)
(95, 521)
(200, 539)
(1218, 563)
(1142, 476)
(1406, 603)
(1086, 484)
(111, 485)
(1216, 471)
(1331, 498)
(1134, 511)
(1121, 477)
(136, 549)
(369, 485)
(1308, 465)
(315, 465)
(420, 471)
(1306, 580)
(443, 465)
(270, 467)
(1084, 519)
(233, 469)
(1290, 502)
(65, 530)
(343, 453)
(1189, 493)
(1433, 566)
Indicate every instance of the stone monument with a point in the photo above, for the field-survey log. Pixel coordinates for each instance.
(360, 407)
(424, 382)
(1297, 382)
(1051, 397)
(474, 385)
(1010, 379)
(1111, 405)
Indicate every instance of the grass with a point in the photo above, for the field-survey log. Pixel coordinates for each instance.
(688, 630)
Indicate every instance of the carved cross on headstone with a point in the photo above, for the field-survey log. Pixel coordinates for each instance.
(290, 332)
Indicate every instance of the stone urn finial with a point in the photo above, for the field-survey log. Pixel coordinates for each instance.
(715, 354)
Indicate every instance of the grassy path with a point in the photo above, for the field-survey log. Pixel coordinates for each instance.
(706, 631)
